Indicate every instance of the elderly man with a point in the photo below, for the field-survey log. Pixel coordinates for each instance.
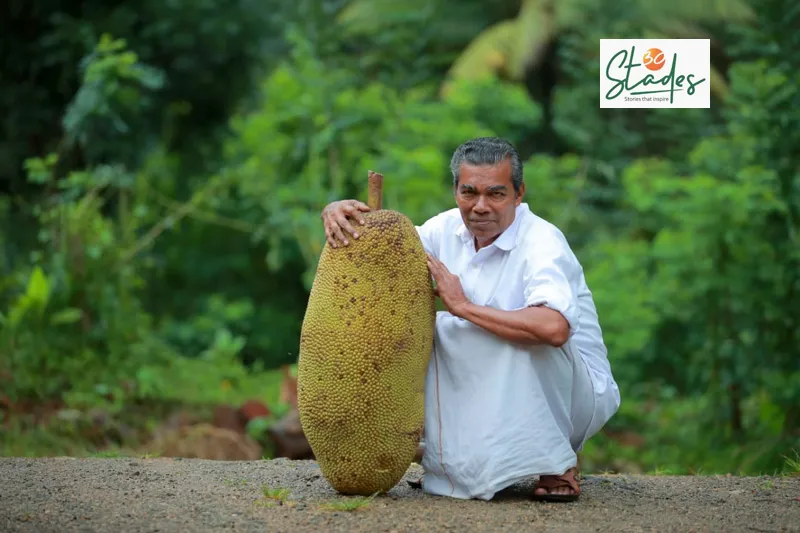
(519, 377)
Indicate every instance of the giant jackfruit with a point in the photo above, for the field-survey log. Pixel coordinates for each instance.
(365, 344)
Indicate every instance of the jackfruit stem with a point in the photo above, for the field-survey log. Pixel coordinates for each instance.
(375, 198)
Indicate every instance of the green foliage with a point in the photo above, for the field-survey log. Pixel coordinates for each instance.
(415, 42)
(76, 305)
(695, 271)
(326, 130)
(116, 89)
(198, 42)
(663, 433)
(716, 312)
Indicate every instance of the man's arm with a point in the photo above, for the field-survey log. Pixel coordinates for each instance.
(532, 325)
(550, 315)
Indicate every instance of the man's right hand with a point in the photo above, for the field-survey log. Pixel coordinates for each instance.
(335, 218)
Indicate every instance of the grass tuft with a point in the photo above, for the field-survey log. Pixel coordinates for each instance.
(792, 467)
(349, 504)
(275, 494)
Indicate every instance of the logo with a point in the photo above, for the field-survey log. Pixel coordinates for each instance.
(647, 73)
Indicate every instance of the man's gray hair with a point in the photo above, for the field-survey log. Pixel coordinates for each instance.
(487, 151)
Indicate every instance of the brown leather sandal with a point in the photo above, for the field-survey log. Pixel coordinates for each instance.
(567, 479)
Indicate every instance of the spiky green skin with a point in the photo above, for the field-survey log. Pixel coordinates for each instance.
(365, 344)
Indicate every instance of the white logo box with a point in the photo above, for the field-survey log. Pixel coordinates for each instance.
(649, 73)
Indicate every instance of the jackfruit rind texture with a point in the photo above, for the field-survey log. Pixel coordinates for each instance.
(365, 344)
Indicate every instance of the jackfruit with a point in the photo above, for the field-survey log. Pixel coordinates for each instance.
(365, 343)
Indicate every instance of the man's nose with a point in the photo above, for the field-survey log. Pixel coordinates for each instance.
(480, 205)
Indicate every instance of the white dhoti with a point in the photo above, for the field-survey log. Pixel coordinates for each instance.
(497, 413)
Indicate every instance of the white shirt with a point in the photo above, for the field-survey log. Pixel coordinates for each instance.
(503, 410)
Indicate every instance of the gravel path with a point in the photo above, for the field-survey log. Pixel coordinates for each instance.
(159, 495)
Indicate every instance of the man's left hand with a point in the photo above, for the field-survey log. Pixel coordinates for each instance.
(448, 287)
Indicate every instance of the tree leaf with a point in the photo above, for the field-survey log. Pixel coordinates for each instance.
(535, 28)
(38, 291)
(486, 56)
(70, 315)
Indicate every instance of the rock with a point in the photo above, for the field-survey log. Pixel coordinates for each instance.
(253, 409)
(226, 417)
(288, 437)
(175, 421)
(204, 441)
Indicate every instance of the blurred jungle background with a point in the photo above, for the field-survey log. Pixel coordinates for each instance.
(163, 165)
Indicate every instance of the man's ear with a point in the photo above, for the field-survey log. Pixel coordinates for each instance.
(520, 194)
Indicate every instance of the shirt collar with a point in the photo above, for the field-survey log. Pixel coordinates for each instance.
(508, 239)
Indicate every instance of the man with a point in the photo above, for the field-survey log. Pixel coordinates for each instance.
(519, 377)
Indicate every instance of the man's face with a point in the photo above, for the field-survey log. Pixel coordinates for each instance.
(487, 201)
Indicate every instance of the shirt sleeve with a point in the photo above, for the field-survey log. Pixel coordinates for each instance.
(429, 233)
(547, 280)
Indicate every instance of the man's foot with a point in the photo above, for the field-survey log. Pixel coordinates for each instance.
(563, 488)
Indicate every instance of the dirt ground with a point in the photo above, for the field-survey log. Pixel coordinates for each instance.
(160, 495)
